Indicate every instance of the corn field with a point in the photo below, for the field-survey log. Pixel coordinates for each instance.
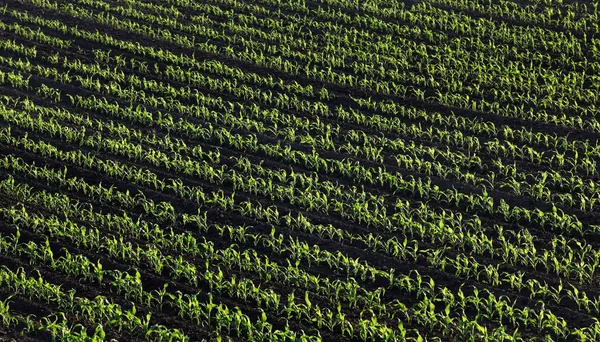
(299, 170)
